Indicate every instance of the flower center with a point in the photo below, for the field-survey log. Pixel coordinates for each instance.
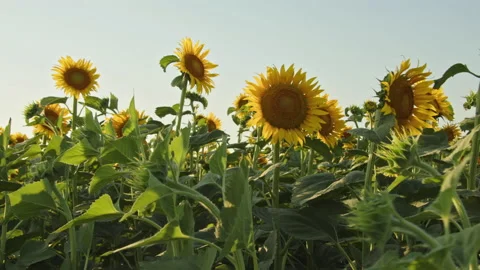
(284, 106)
(211, 126)
(242, 102)
(327, 128)
(401, 98)
(77, 78)
(194, 66)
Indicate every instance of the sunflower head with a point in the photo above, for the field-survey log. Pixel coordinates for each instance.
(120, 119)
(17, 137)
(370, 106)
(51, 115)
(213, 122)
(443, 108)
(75, 77)
(31, 110)
(193, 62)
(333, 125)
(286, 104)
(401, 153)
(241, 110)
(453, 132)
(407, 93)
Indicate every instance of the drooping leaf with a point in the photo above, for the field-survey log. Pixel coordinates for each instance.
(179, 147)
(53, 100)
(320, 147)
(432, 143)
(31, 199)
(78, 153)
(198, 98)
(218, 162)
(100, 210)
(99, 104)
(122, 150)
(131, 127)
(366, 133)
(9, 186)
(305, 188)
(164, 111)
(34, 251)
(466, 244)
(113, 102)
(202, 139)
(452, 71)
(103, 176)
(91, 123)
(167, 60)
(385, 125)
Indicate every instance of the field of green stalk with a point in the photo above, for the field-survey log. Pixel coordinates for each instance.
(304, 184)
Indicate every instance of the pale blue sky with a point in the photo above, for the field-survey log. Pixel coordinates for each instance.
(347, 45)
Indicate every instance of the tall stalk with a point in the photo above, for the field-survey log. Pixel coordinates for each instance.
(472, 177)
(182, 103)
(276, 203)
(3, 240)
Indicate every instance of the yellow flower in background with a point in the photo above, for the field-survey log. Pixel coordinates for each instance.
(370, 106)
(286, 104)
(408, 95)
(442, 106)
(52, 114)
(17, 137)
(453, 132)
(120, 119)
(333, 126)
(240, 105)
(1, 130)
(193, 62)
(213, 122)
(75, 77)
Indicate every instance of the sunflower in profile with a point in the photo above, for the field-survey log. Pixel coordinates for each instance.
(407, 94)
(286, 104)
(213, 122)
(443, 108)
(52, 114)
(333, 127)
(120, 119)
(75, 77)
(453, 132)
(193, 62)
(17, 137)
(240, 105)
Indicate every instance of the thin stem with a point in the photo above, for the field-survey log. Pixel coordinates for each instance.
(182, 103)
(239, 260)
(74, 114)
(276, 202)
(370, 165)
(472, 177)
(311, 157)
(148, 221)
(3, 243)
(342, 250)
(427, 168)
(256, 151)
(462, 212)
(416, 231)
(255, 260)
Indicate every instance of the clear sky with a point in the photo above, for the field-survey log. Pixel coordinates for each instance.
(347, 45)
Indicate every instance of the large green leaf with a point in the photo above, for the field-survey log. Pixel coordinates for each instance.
(366, 133)
(31, 199)
(164, 111)
(432, 143)
(131, 127)
(9, 186)
(385, 125)
(103, 176)
(33, 151)
(268, 251)
(91, 123)
(167, 60)
(52, 100)
(123, 150)
(113, 105)
(100, 210)
(78, 153)
(171, 231)
(466, 244)
(237, 224)
(452, 71)
(99, 104)
(202, 139)
(187, 225)
(34, 251)
(179, 148)
(305, 188)
(218, 162)
(204, 260)
(320, 147)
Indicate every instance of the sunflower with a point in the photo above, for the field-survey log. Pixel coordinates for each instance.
(443, 108)
(52, 114)
(239, 105)
(407, 94)
(120, 119)
(17, 137)
(333, 127)
(213, 122)
(286, 104)
(1, 131)
(349, 142)
(75, 77)
(453, 132)
(193, 62)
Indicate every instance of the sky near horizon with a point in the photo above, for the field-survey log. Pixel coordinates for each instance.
(347, 45)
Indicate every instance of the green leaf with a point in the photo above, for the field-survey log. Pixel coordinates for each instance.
(34, 251)
(91, 123)
(202, 139)
(171, 264)
(131, 127)
(178, 82)
(96, 103)
(55, 145)
(452, 71)
(466, 244)
(187, 225)
(385, 125)
(195, 97)
(320, 147)
(113, 102)
(31, 199)
(100, 210)
(78, 153)
(33, 151)
(267, 252)
(167, 60)
(123, 150)
(366, 133)
(429, 144)
(9, 186)
(171, 231)
(103, 176)
(305, 188)
(218, 162)
(53, 100)
(237, 220)
(179, 147)
(462, 146)
(164, 111)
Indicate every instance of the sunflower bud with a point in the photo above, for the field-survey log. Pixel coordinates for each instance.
(31, 110)
(370, 106)
(401, 153)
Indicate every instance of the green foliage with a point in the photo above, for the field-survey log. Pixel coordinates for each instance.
(167, 60)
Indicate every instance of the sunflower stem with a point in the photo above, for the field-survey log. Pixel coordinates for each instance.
(371, 163)
(472, 177)
(182, 103)
(276, 202)
(311, 157)
(74, 114)
(3, 240)
(256, 151)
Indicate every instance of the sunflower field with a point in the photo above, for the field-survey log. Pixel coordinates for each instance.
(391, 183)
